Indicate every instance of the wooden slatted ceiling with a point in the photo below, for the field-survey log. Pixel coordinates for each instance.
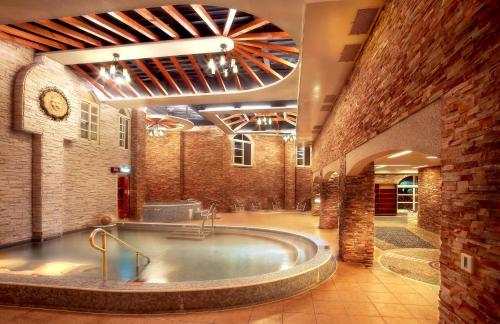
(256, 39)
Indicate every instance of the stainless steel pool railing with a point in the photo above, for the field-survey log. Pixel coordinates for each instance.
(103, 249)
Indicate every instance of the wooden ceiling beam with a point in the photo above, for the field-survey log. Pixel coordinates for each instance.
(79, 71)
(264, 36)
(268, 56)
(151, 76)
(237, 82)
(249, 70)
(110, 84)
(257, 23)
(91, 30)
(200, 74)
(183, 74)
(34, 38)
(229, 21)
(166, 75)
(232, 116)
(243, 124)
(200, 10)
(69, 32)
(24, 42)
(240, 120)
(120, 16)
(98, 20)
(136, 78)
(270, 46)
(174, 13)
(48, 34)
(218, 77)
(148, 15)
(259, 63)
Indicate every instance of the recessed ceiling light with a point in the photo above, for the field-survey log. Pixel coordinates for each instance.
(398, 154)
(380, 166)
(221, 108)
(432, 157)
(255, 107)
(420, 166)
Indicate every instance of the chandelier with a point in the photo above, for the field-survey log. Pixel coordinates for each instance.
(289, 138)
(223, 63)
(265, 121)
(115, 73)
(157, 130)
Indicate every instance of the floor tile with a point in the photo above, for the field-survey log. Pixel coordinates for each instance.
(332, 319)
(412, 299)
(393, 310)
(383, 297)
(423, 312)
(330, 308)
(299, 318)
(361, 309)
(366, 320)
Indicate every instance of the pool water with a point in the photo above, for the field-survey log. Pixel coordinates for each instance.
(220, 256)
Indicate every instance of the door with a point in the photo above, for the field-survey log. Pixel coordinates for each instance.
(123, 196)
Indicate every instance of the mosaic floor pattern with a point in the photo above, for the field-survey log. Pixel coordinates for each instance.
(398, 237)
(418, 264)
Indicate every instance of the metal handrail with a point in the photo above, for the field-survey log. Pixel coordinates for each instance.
(103, 249)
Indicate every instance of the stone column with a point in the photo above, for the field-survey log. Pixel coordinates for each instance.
(429, 198)
(330, 206)
(357, 220)
(138, 159)
(289, 161)
(316, 196)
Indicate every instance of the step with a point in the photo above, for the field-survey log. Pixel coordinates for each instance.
(186, 237)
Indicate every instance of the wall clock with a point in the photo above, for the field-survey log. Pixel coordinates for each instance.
(54, 103)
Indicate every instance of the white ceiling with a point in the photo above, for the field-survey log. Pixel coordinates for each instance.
(409, 163)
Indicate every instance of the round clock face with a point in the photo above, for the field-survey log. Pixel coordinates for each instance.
(55, 104)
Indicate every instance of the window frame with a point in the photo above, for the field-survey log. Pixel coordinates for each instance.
(124, 143)
(88, 121)
(248, 141)
(303, 158)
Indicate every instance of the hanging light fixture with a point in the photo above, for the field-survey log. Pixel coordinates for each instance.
(156, 130)
(115, 73)
(289, 138)
(223, 63)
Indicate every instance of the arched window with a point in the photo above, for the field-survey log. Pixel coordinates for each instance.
(242, 150)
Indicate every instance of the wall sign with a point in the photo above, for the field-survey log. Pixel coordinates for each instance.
(117, 169)
(54, 103)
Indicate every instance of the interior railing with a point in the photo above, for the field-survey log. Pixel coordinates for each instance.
(103, 249)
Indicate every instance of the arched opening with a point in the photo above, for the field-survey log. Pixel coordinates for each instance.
(242, 150)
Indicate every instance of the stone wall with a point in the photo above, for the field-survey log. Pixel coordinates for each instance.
(420, 52)
(329, 207)
(303, 183)
(389, 178)
(429, 198)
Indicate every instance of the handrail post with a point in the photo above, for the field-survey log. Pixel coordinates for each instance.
(104, 261)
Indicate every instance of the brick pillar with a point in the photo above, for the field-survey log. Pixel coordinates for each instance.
(47, 186)
(429, 198)
(138, 159)
(356, 221)
(329, 206)
(289, 161)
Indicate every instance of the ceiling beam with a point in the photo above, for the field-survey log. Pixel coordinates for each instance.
(98, 20)
(264, 36)
(120, 16)
(24, 42)
(136, 78)
(148, 15)
(257, 23)
(183, 74)
(69, 32)
(259, 63)
(87, 77)
(166, 75)
(237, 82)
(151, 76)
(268, 56)
(200, 10)
(108, 82)
(91, 30)
(48, 34)
(200, 74)
(249, 70)
(231, 116)
(269, 46)
(243, 124)
(181, 20)
(229, 21)
(34, 38)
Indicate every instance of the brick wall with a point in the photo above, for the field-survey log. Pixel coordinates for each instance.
(329, 207)
(389, 178)
(138, 163)
(418, 52)
(429, 198)
(303, 183)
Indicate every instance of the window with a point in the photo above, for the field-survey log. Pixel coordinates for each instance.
(124, 129)
(242, 150)
(408, 193)
(89, 121)
(304, 155)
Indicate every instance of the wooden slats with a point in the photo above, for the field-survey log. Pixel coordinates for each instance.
(199, 72)
(120, 16)
(220, 81)
(259, 63)
(264, 36)
(109, 83)
(270, 46)
(244, 123)
(166, 75)
(24, 42)
(183, 74)
(150, 75)
(69, 32)
(249, 70)
(259, 22)
(268, 56)
(237, 82)
(229, 21)
(200, 10)
(91, 30)
(136, 78)
(231, 116)
(28, 36)
(157, 22)
(111, 27)
(181, 20)
(48, 34)
(87, 77)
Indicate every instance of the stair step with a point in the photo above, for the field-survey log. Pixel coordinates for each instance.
(186, 237)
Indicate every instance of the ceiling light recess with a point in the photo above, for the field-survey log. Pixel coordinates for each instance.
(395, 155)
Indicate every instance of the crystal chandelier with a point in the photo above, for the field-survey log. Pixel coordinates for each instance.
(223, 63)
(115, 73)
(265, 121)
(289, 138)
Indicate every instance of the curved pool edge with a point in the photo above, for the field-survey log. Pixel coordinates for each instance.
(119, 297)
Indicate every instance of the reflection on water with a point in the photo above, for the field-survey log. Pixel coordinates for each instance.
(217, 257)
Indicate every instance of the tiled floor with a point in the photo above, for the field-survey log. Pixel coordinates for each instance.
(354, 295)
